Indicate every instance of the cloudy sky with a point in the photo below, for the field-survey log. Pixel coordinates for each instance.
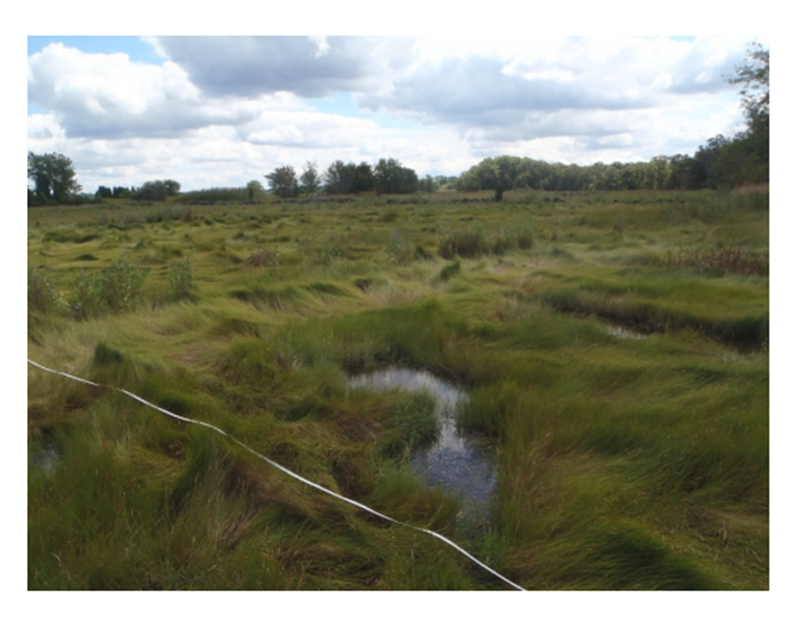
(220, 111)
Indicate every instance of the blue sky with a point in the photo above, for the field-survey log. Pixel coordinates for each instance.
(220, 111)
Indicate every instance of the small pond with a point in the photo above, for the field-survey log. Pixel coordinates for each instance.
(453, 461)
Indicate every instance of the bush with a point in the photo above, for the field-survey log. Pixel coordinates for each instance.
(114, 288)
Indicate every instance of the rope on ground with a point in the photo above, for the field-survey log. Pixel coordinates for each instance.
(284, 469)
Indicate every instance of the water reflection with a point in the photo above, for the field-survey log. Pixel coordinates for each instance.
(452, 461)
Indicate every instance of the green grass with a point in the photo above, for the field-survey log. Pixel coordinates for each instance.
(630, 458)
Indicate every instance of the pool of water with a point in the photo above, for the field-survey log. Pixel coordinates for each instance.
(453, 461)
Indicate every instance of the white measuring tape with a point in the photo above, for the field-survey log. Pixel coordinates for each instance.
(285, 470)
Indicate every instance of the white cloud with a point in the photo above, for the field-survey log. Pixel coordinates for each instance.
(222, 111)
(109, 96)
(44, 127)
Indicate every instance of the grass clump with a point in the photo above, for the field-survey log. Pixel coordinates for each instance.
(467, 245)
(115, 288)
(400, 252)
(449, 271)
(413, 425)
(181, 276)
(43, 295)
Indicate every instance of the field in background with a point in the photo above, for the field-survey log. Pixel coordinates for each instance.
(615, 346)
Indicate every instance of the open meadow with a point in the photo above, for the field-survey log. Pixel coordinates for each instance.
(613, 349)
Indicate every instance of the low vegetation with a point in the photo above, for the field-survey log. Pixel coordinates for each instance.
(614, 346)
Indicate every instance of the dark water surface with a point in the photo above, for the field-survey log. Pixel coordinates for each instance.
(453, 461)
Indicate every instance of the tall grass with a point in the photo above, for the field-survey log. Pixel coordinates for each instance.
(623, 461)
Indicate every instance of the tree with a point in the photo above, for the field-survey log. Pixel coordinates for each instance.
(310, 179)
(156, 190)
(754, 76)
(391, 177)
(255, 189)
(283, 181)
(363, 178)
(338, 178)
(173, 187)
(427, 184)
(753, 148)
(53, 177)
(487, 175)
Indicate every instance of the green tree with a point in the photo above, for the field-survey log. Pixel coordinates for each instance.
(363, 181)
(486, 175)
(156, 190)
(751, 151)
(427, 184)
(310, 180)
(391, 177)
(53, 177)
(754, 77)
(283, 181)
(255, 190)
(338, 178)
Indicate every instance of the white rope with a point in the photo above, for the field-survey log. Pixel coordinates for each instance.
(284, 469)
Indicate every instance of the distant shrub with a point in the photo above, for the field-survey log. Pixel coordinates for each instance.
(223, 195)
(156, 190)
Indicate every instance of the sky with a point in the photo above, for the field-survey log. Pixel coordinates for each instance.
(212, 111)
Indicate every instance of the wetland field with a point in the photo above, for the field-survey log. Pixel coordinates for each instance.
(572, 387)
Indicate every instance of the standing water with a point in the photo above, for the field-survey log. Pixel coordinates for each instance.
(452, 461)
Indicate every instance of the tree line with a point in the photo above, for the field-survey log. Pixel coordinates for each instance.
(55, 182)
(387, 176)
(721, 163)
